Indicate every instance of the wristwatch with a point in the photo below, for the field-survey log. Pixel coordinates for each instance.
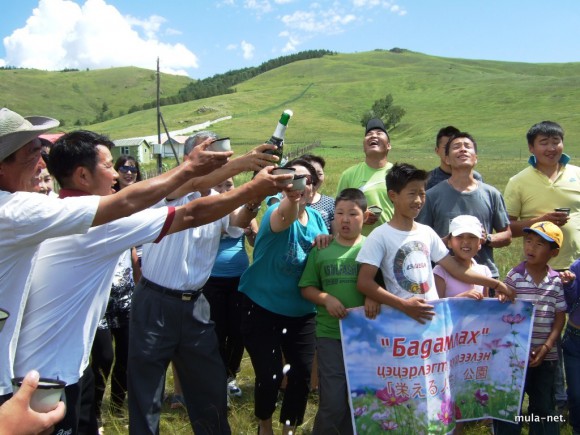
(487, 240)
(253, 207)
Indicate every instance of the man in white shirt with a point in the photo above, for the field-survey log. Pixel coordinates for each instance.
(27, 219)
(170, 321)
(71, 281)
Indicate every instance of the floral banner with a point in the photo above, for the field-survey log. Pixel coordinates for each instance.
(468, 363)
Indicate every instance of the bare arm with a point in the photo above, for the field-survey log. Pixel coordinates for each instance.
(334, 307)
(144, 194)
(415, 308)
(538, 353)
(467, 275)
(242, 216)
(253, 160)
(286, 213)
(501, 238)
(557, 217)
(208, 209)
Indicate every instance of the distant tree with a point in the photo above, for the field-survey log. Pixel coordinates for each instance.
(385, 110)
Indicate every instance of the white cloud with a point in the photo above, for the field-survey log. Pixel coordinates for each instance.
(61, 34)
(231, 46)
(259, 6)
(247, 49)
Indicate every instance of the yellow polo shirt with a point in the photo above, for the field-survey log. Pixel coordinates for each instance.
(530, 193)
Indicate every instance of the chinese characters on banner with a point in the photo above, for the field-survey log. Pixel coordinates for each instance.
(468, 363)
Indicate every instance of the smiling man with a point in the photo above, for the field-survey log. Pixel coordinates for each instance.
(369, 176)
(549, 182)
(463, 194)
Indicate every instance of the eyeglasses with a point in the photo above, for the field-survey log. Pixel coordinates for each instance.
(125, 169)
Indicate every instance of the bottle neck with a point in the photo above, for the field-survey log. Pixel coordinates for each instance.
(280, 131)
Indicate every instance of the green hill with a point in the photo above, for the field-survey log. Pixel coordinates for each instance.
(495, 101)
(73, 96)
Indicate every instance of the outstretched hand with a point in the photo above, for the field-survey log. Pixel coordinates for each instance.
(205, 161)
(505, 293)
(256, 159)
(265, 183)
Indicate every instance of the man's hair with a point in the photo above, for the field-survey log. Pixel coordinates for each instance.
(354, 195)
(312, 158)
(402, 174)
(192, 141)
(75, 149)
(301, 162)
(460, 135)
(446, 132)
(544, 128)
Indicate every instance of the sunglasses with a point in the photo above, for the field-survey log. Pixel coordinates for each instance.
(125, 169)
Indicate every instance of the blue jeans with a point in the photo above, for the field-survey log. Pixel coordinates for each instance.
(539, 387)
(571, 349)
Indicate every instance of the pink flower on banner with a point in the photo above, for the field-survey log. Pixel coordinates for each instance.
(389, 398)
(497, 344)
(389, 425)
(359, 411)
(447, 411)
(513, 318)
(481, 397)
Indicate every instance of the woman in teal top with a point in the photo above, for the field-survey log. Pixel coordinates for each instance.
(276, 320)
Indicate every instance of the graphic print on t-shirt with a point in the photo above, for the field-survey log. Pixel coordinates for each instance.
(411, 267)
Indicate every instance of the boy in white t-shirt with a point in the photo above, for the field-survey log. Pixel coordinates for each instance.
(404, 249)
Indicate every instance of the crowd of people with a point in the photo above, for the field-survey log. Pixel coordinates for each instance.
(120, 276)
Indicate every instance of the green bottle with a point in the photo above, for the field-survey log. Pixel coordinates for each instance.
(278, 137)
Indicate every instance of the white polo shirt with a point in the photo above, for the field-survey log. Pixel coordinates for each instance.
(26, 220)
(70, 288)
(183, 261)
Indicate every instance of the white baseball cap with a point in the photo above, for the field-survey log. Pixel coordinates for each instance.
(465, 224)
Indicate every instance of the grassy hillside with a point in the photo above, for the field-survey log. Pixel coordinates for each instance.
(79, 95)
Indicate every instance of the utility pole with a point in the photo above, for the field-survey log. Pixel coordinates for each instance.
(159, 156)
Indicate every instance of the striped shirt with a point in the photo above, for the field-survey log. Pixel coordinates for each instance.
(183, 260)
(547, 297)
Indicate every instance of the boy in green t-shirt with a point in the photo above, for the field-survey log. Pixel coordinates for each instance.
(329, 281)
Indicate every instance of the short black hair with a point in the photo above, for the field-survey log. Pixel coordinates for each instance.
(74, 149)
(544, 128)
(312, 158)
(446, 132)
(301, 162)
(463, 135)
(354, 195)
(402, 174)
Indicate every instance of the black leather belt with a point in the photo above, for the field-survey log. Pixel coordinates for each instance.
(185, 295)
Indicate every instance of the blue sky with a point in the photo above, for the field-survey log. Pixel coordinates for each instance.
(201, 37)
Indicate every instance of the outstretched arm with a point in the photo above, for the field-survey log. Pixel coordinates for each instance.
(144, 194)
(253, 160)
(469, 276)
(208, 209)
